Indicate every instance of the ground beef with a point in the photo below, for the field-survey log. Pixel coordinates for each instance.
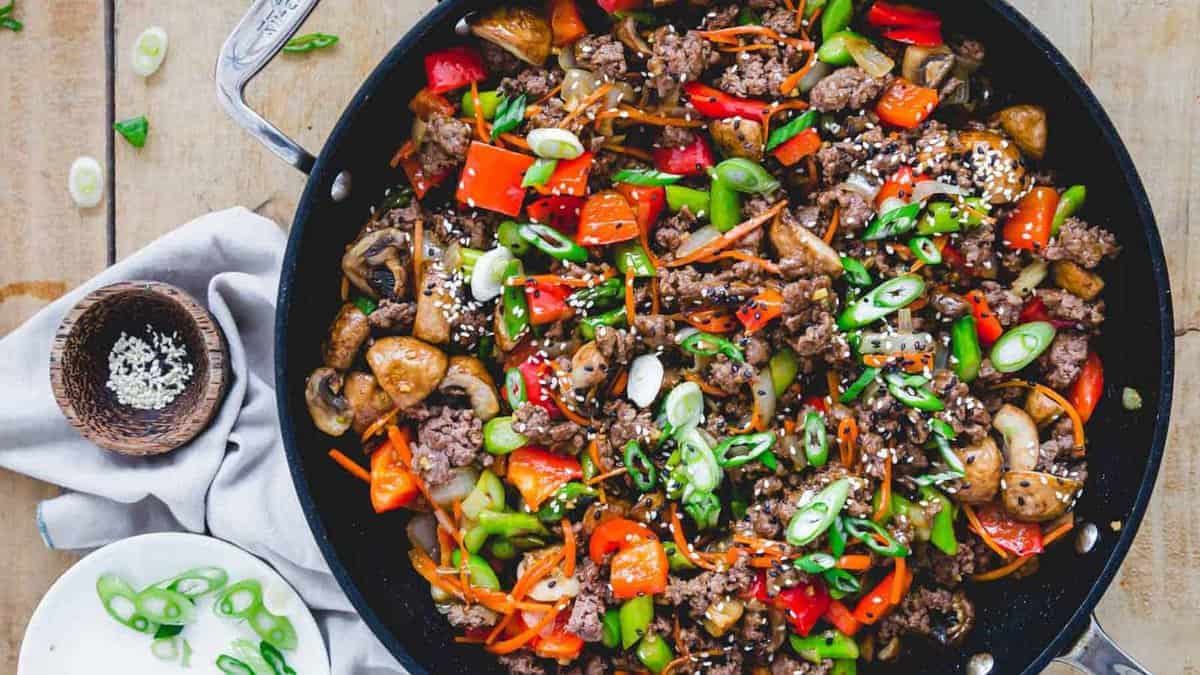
(854, 211)
(628, 423)
(756, 349)
(1057, 454)
(471, 617)
(675, 137)
(534, 82)
(444, 145)
(1064, 359)
(453, 437)
(677, 59)
(728, 375)
(402, 218)
(952, 570)
(781, 20)
(468, 227)
(965, 413)
(759, 73)
(550, 114)
(977, 246)
(1064, 306)
(615, 345)
(708, 587)
(585, 617)
(499, 61)
(847, 88)
(656, 331)
(785, 664)
(593, 579)
(522, 663)
(972, 50)
(948, 305)
(601, 54)
(722, 17)
(1005, 304)
(533, 422)
(1082, 244)
(393, 318)
(928, 612)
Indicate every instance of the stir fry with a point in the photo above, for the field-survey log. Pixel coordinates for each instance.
(717, 338)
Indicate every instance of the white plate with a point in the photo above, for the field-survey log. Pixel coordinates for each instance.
(71, 634)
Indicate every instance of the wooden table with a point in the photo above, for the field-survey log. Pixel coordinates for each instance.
(60, 95)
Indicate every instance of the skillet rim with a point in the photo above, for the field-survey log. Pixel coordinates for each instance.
(321, 178)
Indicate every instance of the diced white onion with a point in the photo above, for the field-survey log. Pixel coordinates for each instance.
(86, 182)
(577, 85)
(555, 587)
(422, 533)
(891, 204)
(815, 74)
(764, 396)
(697, 239)
(461, 483)
(553, 143)
(487, 278)
(149, 50)
(645, 380)
(863, 185)
(684, 406)
(869, 58)
(1030, 277)
(928, 188)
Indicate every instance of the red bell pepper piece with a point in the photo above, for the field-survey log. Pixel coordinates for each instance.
(570, 177)
(647, 202)
(804, 605)
(558, 211)
(816, 402)
(640, 568)
(492, 179)
(1031, 223)
(922, 37)
(539, 473)
(613, 535)
(906, 105)
(547, 302)
(891, 15)
(758, 588)
(717, 104)
(533, 369)
(392, 485)
(561, 644)
(955, 259)
(425, 103)
(453, 68)
(607, 218)
(421, 184)
(899, 186)
(614, 6)
(1012, 535)
(841, 618)
(1034, 310)
(877, 603)
(796, 148)
(690, 160)
(760, 310)
(1088, 386)
(986, 323)
(565, 23)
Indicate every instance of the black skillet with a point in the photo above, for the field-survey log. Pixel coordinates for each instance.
(1023, 624)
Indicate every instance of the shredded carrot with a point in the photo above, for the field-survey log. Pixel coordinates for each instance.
(558, 280)
(466, 640)
(445, 546)
(631, 114)
(761, 545)
(854, 562)
(345, 288)
(428, 569)
(380, 423)
(630, 296)
(418, 252)
(831, 231)
(897, 590)
(514, 643)
(404, 152)
(800, 15)
(568, 548)
(834, 384)
(655, 300)
(349, 465)
(746, 48)
(399, 440)
(479, 126)
(594, 453)
(636, 153)
(793, 80)
(586, 103)
(1076, 420)
(682, 545)
(1001, 572)
(464, 554)
(729, 237)
(729, 36)
(885, 489)
(536, 573)
(686, 657)
(1058, 532)
(705, 386)
(778, 107)
(847, 435)
(515, 140)
(744, 257)
(619, 384)
(499, 628)
(977, 528)
(766, 562)
(644, 240)
(619, 471)
(789, 426)
(568, 412)
(909, 362)
(542, 101)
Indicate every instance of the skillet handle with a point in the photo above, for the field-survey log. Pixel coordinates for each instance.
(1095, 652)
(258, 37)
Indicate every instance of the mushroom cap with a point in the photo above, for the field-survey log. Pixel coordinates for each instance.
(407, 368)
(984, 464)
(521, 31)
(792, 240)
(1036, 497)
(326, 405)
(468, 375)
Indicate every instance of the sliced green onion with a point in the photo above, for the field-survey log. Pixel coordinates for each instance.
(539, 172)
(925, 250)
(912, 392)
(365, 305)
(514, 306)
(818, 514)
(508, 234)
(881, 301)
(1131, 399)
(247, 652)
(942, 429)
(311, 42)
(86, 182)
(198, 582)
(629, 255)
(745, 175)
(866, 531)
(554, 143)
(552, 242)
(134, 130)
(758, 445)
(120, 601)
(698, 343)
(703, 507)
(785, 133)
(841, 581)
(487, 279)
(510, 113)
(684, 406)
(815, 563)
(162, 605)
(499, 438)
(488, 100)
(897, 221)
(165, 649)
(277, 630)
(1019, 346)
(784, 366)
(274, 658)
(149, 50)
(635, 617)
(816, 441)
(239, 601)
(641, 469)
(856, 272)
(514, 387)
(231, 666)
(698, 462)
(646, 177)
(856, 389)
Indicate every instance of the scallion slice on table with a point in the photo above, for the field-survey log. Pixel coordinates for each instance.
(86, 182)
(165, 649)
(554, 143)
(1021, 345)
(311, 42)
(646, 177)
(149, 50)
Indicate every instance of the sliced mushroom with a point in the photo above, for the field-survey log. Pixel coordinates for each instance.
(1042, 408)
(1076, 280)
(997, 164)
(349, 330)
(1020, 437)
(588, 367)
(407, 368)
(599, 513)
(955, 631)
(722, 615)
(627, 32)
(326, 405)
(467, 376)
(1027, 126)
(522, 31)
(793, 240)
(368, 401)
(1035, 497)
(984, 464)
(376, 263)
(433, 302)
(928, 66)
(555, 585)
(738, 137)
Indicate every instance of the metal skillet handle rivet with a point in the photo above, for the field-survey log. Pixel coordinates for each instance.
(340, 189)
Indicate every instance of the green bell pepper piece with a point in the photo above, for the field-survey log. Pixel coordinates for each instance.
(784, 367)
(1070, 201)
(479, 571)
(499, 438)
(942, 533)
(610, 293)
(844, 667)
(635, 617)
(611, 622)
(696, 201)
(654, 653)
(488, 101)
(899, 220)
(503, 549)
(744, 175)
(365, 305)
(613, 318)
(833, 49)
(830, 644)
(726, 206)
(964, 346)
(629, 255)
(677, 560)
(856, 273)
(488, 494)
(836, 18)
(869, 532)
(516, 308)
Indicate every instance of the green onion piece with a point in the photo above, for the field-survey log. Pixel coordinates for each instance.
(231, 666)
(942, 429)
(614, 318)
(704, 508)
(1131, 399)
(833, 49)
(516, 307)
(698, 343)
(939, 218)
(841, 581)
(942, 534)
(197, 582)
(836, 17)
(646, 177)
(744, 175)
(684, 406)
(12, 24)
(925, 250)
(758, 445)
(635, 618)
(162, 605)
(829, 644)
(964, 346)
(539, 172)
(818, 514)
(167, 630)
(856, 389)
(509, 115)
(856, 272)
(249, 653)
(725, 206)
(396, 198)
(1069, 202)
(910, 393)
(881, 301)
(815, 563)
(784, 367)
(1022, 344)
(499, 438)
(274, 658)
(503, 549)
(365, 305)
(488, 100)
(554, 143)
(239, 601)
(629, 255)
(785, 133)
(816, 441)
(552, 242)
(655, 653)
(611, 623)
(7, 9)
(165, 649)
(120, 601)
(698, 462)
(565, 499)
(277, 630)
(641, 469)
(837, 537)
(134, 130)
(862, 529)
(514, 387)
(899, 220)
(508, 233)
(604, 295)
(310, 42)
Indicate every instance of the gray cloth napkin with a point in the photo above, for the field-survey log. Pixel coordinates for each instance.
(232, 481)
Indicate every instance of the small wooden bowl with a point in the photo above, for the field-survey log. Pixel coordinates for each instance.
(79, 367)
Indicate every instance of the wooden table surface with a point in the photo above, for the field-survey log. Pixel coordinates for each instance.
(67, 77)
